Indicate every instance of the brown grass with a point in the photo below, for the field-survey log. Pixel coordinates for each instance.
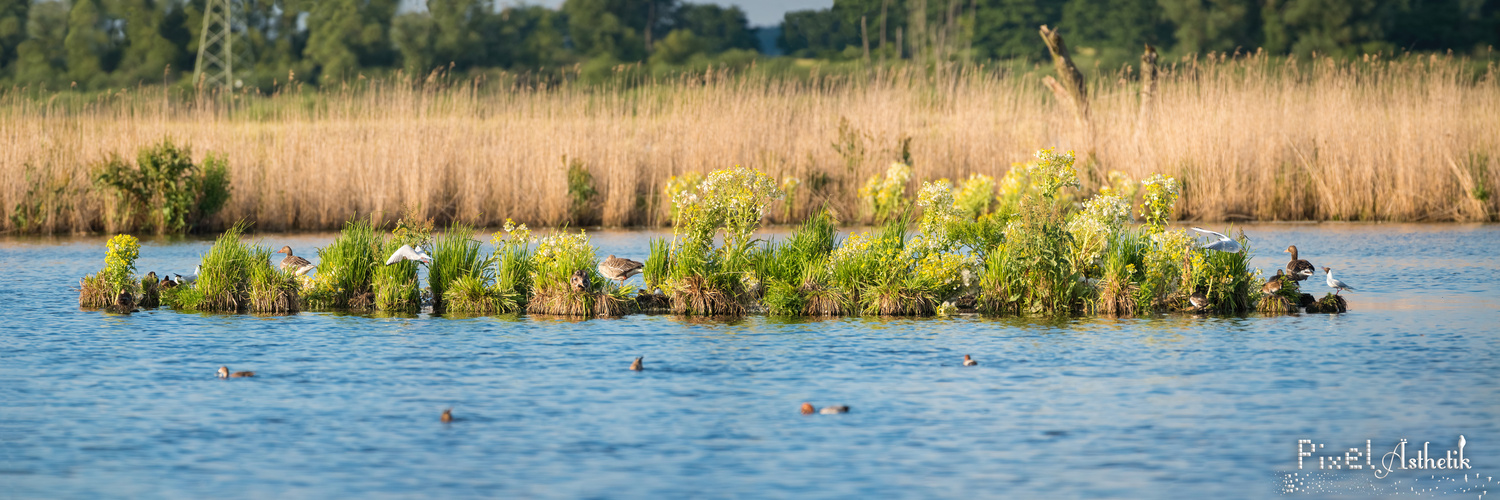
(1415, 138)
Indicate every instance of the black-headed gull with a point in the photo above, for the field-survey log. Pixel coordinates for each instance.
(1223, 244)
(406, 252)
(1335, 284)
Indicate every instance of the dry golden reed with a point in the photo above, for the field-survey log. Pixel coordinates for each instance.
(1415, 138)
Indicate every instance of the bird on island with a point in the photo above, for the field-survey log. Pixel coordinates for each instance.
(834, 410)
(188, 280)
(807, 409)
(447, 416)
(1298, 269)
(637, 365)
(1338, 286)
(407, 252)
(166, 282)
(1273, 285)
(151, 276)
(1222, 244)
(294, 264)
(968, 361)
(1198, 300)
(619, 269)
(579, 280)
(225, 373)
(124, 304)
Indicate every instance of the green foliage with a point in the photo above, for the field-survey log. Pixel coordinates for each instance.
(222, 283)
(347, 268)
(975, 195)
(1160, 200)
(1122, 270)
(1093, 228)
(681, 187)
(396, 286)
(272, 290)
(471, 294)
(514, 264)
(658, 264)
(558, 257)
(704, 279)
(884, 197)
(165, 187)
(1225, 278)
(119, 264)
(581, 193)
(455, 254)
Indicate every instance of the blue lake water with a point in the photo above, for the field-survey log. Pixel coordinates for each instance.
(1171, 406)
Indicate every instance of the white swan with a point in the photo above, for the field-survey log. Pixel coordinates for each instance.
(1223, 244)
(406, 252)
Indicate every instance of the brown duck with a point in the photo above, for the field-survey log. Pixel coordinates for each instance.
(968, 361)
(619, 269)
(637, 365)
(447, 417)
(1298, 269)
(1273, 285)
(580, 280)
(294, 264)
(225, 373)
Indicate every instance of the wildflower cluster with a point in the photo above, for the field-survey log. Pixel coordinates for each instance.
(732, 199)
(939, 213)
(883, 195)
(1160, 199)
(119, 263)
(1121, 185)
(975, 195)
(944, 270)
(512, 235)
(1051, 172)
(1102, 217)
(863, 255)
(680, 187)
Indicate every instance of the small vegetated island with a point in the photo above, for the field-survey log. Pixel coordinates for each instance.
(1029, 244)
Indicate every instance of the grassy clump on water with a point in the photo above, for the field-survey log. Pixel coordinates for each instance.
(455, 256)
(346, 269)
(558, 257)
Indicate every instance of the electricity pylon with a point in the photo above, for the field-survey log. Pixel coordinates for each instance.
(222, 46)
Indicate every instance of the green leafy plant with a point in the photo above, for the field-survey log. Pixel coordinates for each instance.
(396, 286)
(558, 257)
(347, 267)
(883, 197)
(581, 193)
(164, 189)
(455, 254)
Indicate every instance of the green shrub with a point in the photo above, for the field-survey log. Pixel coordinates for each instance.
(514, 264)
(581, 193)
(272, 290)
(884, 197)
(347, 267)
(222, 282)
(396, 286)
(455, 254)
(164, 190)
(975, 195)
(1225, 278)
(1033, 271)
(558, 257)
(658, 265)
(709, 280)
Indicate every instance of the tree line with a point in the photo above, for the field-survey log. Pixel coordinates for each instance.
(93, 44)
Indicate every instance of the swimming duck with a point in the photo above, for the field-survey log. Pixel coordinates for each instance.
(580, 280)
(447, 416)
(407, 252)
(619, 269)
(1222, 244)
(1338, 286)
(807, 409)
(297, 265)
(637, 365)
(1298, 269)
(834, 410)
(1198, 300)
(968, 361)
(1273, 285)
(224, 373)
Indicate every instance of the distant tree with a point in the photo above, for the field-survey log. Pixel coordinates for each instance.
(12, 30)
(344, 35)
(527, 37)
(1329, 27)
(412, 33)
(1007, 29)
(717, 28)
(1214, 25)
(677, 47)
(618, 29)
(456, 32)
(87, 43)
(147, 52)
(1116, 27)
(813, 33)
(41, 59)
(1443, 24)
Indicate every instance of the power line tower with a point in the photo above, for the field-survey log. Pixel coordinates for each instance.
(222, 46)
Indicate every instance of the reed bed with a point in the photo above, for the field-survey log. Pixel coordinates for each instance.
(1413, 138)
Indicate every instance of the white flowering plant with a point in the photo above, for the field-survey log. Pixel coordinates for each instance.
(975, 195)
(884, 196)
(1092, 228)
